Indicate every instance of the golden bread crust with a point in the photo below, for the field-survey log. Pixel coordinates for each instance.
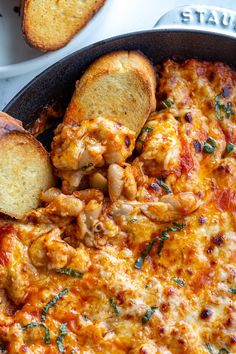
(119, 86)
(49, 26)
(25, 169)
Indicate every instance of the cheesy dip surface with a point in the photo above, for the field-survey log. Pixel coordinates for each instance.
(137, 251)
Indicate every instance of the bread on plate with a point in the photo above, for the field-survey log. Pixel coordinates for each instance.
(50, 24)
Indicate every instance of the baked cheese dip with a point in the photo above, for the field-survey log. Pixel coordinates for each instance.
(136, 252)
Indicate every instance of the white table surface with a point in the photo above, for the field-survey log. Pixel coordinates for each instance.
(120, 16)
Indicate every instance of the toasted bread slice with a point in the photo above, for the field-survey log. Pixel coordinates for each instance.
(120, 86)
(25, 169)
(50, 24)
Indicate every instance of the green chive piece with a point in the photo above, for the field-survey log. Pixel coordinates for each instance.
(69, 271)
(163, 238)
(132, 221)
(229, 148)
(148, 315)
(210, 145)
(179, 281)
(176, 226)
(146, 130)
(113, 305)
(46, 337)
(221, 110)
(85, 167)
(167, 103)
(145, 252)
(232, 291)
(143, 131)
(139, 263)
(52, 303)
(218, 107)
(223, 351)
(209, 348)
(228, 109)
(164, 186)
(62, 333)
(141, 141)
(164, 234)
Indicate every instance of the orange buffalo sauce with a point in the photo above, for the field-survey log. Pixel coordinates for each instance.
(157, 273)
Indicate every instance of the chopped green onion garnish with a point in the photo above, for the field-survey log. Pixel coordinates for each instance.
(133, 220)
(52, 303)
(140, 141)
(139, 263)
(229, 148)
(221, 110)
(167, 103)
(228, 109)
(69, 271)
(164, 186)
(209, 347)
(176, 226)
(46, 337)
(85, 167)
(113, 305)
(63, 332)
(179, 281)
(232, 290)
(218, 107)
(148, 315)
(224, 351)
(164, 234)
(146, 130)
(209, 146)
(163, 238)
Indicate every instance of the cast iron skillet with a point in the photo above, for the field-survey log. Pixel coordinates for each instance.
(57, 82)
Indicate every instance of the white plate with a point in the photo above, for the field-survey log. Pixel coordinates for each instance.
(17, 57)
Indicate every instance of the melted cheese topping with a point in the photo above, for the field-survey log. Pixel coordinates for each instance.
(181, 297)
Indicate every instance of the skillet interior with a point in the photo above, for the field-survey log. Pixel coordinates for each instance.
(57, 82)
